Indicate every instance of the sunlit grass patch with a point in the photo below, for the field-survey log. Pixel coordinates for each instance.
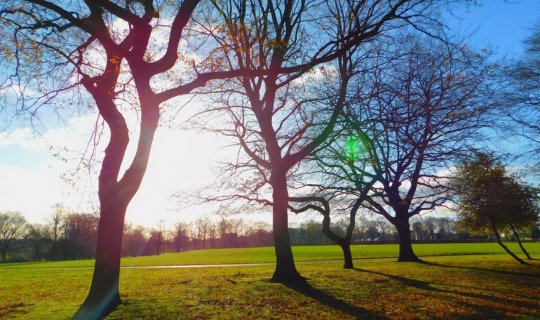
(449, 287)
(301, 254)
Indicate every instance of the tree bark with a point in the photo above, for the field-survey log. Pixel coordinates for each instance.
(499, 241)
(344, 243)
(347, 255)
(104, 294)
(114, 196)
(285, 268)
(520, 243)
(406, 253)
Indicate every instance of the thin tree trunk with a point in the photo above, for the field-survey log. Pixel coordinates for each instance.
(285, 268)
(344, 243)
(499, 241)
(53, 250)
(406, 253)
(520, 244)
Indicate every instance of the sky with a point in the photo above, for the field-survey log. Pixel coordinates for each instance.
(33, 178)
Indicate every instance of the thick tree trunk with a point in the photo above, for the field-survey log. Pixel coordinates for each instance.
(4, 255)
(114, 195)
(520, 244)
(347, 256)
(499, 241)
(285, 268)
(104, 295)
(406, 253)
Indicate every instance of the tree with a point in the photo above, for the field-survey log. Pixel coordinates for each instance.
(79, 235)
(356, 161)
(421, 105)
(181, 238)
(114, 51)
(523, 94)
(134, 241)
(12, 230)
(522, 209)
(54, 226)
(38, 235)
(157, 240)
(203, 226)
(490, 200)
(278, 119)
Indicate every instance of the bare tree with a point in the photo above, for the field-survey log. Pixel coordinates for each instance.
(12, 230)
(38, 235)
(114, 50)
(134, 240)
(202, 226)
(522, 96)
(54, 226)
(278, 119)
(421, 106)
(181, 237)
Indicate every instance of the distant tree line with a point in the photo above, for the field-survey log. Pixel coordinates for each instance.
(72, 236)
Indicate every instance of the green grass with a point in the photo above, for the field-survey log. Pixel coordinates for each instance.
(447, 287)
(301, 253)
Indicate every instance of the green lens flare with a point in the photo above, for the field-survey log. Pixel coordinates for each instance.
(356, 148)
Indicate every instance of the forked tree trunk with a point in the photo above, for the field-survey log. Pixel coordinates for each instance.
(499, 241)
(285, 268)
(406, 253)
(343, 242)
(114, 195)
(520, 243)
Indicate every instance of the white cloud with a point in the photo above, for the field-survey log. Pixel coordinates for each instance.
(180, 160)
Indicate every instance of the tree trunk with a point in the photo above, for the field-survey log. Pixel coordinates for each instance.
(344, 243)
(4, 255)
(114, 196)
(406, 253)
(104, 294)
(285, 268)
(520, 243)
(53, 250)
(347, 255)
(499, 241)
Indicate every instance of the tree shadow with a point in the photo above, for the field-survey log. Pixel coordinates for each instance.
(14, 309)
(303, 287)
(502, 272)
(427, 286)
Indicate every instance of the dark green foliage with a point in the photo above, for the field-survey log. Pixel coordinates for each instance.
(492, 200)
(488, 195)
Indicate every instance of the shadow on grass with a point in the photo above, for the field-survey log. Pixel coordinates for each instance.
(501, 272)
(332, 302)
(484, 310)
(14, 309)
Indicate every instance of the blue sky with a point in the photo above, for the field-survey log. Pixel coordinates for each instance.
(28, 169)
(499, 24)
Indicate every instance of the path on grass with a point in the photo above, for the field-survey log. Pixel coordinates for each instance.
(188, 266)
(221, 265)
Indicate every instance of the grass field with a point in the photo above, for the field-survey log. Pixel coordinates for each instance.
(301, 253)
(472, 281)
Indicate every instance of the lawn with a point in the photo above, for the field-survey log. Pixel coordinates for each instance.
(301, 253)
(469, 286)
